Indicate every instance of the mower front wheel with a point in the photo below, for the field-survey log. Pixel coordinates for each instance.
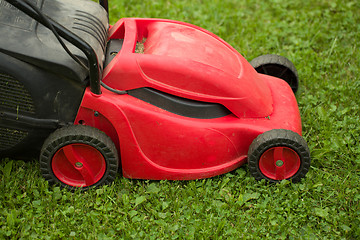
(277, 66)
(277, 155)
(79, 156)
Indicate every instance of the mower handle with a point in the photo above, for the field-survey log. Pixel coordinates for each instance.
(94, 68)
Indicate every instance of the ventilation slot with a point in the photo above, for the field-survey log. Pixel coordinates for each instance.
(14, 96)
(90, 24)
(10, 137)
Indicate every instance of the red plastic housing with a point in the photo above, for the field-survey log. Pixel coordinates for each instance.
(189, 62)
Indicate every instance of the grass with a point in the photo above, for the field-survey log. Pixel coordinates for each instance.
(322, 39)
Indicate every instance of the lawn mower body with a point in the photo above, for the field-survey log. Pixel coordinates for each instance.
(193, 139)
(178, 102)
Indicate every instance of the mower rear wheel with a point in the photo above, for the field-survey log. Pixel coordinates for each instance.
(79, 156)
(277, 155)
(277, 66)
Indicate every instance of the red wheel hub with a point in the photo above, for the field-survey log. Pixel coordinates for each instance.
(279, 163)
(78, 165)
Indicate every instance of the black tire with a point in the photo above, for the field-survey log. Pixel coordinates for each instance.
(277, 66)
(279, 154)
(79, 156)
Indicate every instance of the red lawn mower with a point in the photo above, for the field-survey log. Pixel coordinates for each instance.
(159, 99)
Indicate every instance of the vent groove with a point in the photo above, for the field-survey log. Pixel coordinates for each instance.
(14, 96)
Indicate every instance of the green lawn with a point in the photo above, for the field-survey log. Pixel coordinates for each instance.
(322, 39)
